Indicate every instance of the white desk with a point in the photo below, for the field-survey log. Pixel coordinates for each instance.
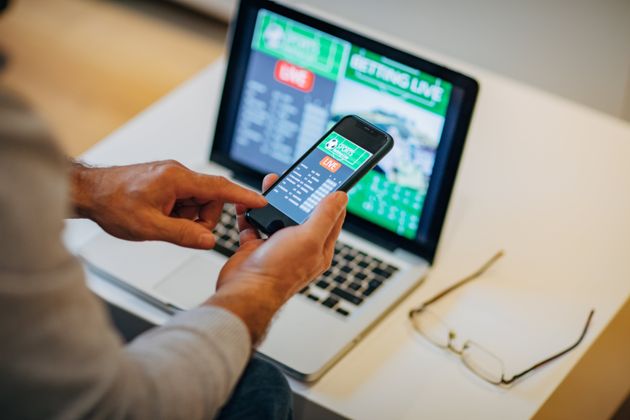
(542, 178)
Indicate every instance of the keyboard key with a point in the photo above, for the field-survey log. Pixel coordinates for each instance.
(346, 269)
(339, 279)
(374, 283)
(323, 284)
(330, 302)
(344, 294)
(354, 286)
(343, 312)
(372, 286)
(360, 276)
(380, 278)
(313, 297)
(380, 272)
(363, 263)
(221, 249)
(348, 257)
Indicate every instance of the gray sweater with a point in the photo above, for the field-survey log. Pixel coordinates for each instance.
(59, 355)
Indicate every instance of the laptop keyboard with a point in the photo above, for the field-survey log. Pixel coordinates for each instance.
(353, 277)
(226, 232)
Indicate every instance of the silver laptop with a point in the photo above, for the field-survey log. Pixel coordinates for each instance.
(290, 76)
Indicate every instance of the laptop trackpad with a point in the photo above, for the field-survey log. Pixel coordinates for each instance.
(192, 282)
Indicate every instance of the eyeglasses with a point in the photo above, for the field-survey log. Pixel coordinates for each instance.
(479, 360)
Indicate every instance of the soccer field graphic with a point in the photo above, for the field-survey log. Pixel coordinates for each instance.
(393, 193)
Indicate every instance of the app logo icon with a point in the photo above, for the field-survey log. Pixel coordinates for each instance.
(274, 35)
(331, 144)
(330, 164)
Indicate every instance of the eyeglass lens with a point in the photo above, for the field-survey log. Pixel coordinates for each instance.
(482, 362)
(479, 360)
(431, 327)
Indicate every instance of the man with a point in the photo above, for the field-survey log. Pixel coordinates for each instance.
(59, 355)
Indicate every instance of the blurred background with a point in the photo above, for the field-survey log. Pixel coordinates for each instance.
(88, 66)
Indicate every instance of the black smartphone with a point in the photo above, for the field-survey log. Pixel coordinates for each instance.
(335, 162)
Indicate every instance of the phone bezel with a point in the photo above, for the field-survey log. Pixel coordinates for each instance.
(449, 151)
(355, 129)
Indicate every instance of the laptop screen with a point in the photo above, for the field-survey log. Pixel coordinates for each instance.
(300, 80)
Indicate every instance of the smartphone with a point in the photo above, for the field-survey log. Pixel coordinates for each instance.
(335, 162)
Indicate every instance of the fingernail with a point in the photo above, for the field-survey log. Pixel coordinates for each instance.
(206, 241)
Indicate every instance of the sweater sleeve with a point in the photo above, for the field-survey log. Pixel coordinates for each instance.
(60, 356)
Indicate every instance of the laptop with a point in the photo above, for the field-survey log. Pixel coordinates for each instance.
(290, 76)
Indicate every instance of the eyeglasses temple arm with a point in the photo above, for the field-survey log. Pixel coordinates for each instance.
(466, 279)
(555, 356)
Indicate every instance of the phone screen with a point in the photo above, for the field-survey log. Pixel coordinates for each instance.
(323, 171)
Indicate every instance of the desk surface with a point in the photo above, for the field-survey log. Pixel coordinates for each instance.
(542, 178)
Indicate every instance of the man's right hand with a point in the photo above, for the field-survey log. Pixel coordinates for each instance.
(263, 274)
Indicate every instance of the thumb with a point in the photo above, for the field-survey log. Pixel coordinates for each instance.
(324, 217)
(184, 232)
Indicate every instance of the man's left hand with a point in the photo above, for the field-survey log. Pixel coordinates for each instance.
(156, 201)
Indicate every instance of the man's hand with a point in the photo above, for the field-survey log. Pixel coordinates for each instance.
(156, 201)
(263, 274)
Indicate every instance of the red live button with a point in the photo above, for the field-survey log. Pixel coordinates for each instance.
(329, 163)
(294, 76)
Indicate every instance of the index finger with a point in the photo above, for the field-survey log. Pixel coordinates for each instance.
(210, 187)
(266, 184)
